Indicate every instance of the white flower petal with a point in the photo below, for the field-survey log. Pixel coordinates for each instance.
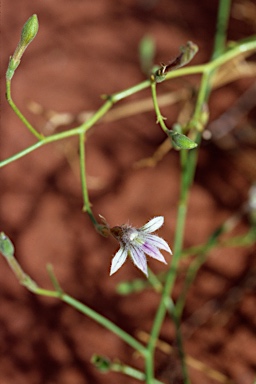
(139, 259)
(137, 243)
(153, 224)
(158, 242)
(154, 252)
(118, 260)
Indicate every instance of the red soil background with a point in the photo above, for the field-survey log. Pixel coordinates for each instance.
(85, 49)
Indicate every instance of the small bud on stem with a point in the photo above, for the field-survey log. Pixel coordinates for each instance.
(187, 52)
(181, 141)
(28, 33)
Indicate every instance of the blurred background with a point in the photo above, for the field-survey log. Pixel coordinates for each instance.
(83, 50)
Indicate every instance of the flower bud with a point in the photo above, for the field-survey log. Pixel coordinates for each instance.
(187, 52)
(101, 362)
(28, 33)
(6, 246)
(181, 141)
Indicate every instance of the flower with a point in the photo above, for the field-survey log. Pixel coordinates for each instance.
(137, 242)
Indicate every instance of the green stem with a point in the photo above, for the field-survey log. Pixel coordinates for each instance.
(138, 285)
(149, 367)
(98, 115)
(54, 279)
(130, 91)
(212, 241)
(87, 205)
(8, 252)
(188, 169)
(236, 241)
(242, 47)
(203, 95)
(188, 163)
(159, 117)
(179, 340)
(221, 28)
(190, 276)
(205, 88)
(18, 112)
(104, 322)
(60, 136)
(109, 325)
(44, 141)
(165, 300)
(131, 372)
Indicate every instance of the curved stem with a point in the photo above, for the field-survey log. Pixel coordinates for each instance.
(159, 117)
(62, 135)
(18, 112)
(91, 314)
(242, 47)
(104, 322)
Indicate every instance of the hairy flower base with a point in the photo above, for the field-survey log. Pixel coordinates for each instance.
(137, 243)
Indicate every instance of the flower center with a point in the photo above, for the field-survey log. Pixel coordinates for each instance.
(133, 235)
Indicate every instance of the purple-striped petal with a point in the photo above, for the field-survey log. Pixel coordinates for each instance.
(118, 260)
(153, 225)
(154, 252)
(139, 259)
(137, 243)
(158, 242)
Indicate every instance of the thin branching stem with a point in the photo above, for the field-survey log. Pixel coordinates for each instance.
(98, 318)
(87, 204)
(188, 160)
(248, 45)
